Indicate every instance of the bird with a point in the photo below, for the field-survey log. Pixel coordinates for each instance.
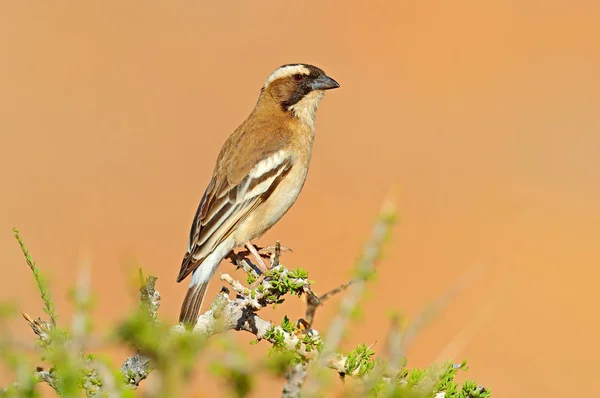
(257, 177)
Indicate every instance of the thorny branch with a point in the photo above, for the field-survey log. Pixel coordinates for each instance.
(241, 313)
(313, 301)
(225, 313)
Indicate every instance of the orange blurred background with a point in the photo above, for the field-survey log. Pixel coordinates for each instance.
(485, 115)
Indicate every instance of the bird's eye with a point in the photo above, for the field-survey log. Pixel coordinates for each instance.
(298, 77)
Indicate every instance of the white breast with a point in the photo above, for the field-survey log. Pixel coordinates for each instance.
(286, 193)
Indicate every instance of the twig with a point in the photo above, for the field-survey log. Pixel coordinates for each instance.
(313, 301)
(469, 330)
(394, 344)
(367, 262)
(45, 293)
(441, 302)
(47, 377)
(337, 290)
(149, 297)
(295, 377)
(135, 369)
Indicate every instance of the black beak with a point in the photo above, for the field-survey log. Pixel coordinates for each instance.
(324, 82)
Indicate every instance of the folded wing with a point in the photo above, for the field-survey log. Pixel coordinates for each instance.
(226, 204)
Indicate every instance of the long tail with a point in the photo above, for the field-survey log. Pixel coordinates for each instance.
(190, 309)
(192, 303)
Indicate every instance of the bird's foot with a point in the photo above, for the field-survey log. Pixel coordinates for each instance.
(273, 252)
(259, 261)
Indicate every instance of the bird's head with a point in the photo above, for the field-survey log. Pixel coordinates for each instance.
(298, 88)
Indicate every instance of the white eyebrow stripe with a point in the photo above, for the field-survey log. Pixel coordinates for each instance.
(287, 71)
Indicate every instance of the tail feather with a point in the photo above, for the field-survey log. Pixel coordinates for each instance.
(190, 309)
(202, 272)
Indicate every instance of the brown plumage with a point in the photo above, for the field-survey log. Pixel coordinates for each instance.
(257, 177)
